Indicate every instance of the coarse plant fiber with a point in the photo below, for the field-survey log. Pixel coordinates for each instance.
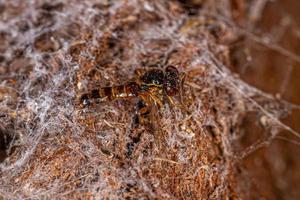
(53, 51)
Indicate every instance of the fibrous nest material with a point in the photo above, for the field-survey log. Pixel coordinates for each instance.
(53, 51)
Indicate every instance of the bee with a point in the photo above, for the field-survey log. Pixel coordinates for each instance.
(151, 86)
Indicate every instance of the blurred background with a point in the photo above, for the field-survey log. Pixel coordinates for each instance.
(269, 59)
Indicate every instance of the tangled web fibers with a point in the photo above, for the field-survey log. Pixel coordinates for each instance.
(51, 148)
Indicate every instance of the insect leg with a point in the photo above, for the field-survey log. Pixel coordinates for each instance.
(171, 101)
(181, 106)
(156, 100)
(142, 110)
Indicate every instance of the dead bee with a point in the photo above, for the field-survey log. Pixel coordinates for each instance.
(152, 87)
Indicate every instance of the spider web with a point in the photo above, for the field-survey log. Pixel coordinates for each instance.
(51, 52)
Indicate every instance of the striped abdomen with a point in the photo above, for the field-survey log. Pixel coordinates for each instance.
(127, 90)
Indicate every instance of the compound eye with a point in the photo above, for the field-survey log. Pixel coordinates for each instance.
(170, 91)
(171, 81)
(171, 87)
(171, 70)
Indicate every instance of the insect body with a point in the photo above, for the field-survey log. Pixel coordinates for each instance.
(151, 86)
(127, 90)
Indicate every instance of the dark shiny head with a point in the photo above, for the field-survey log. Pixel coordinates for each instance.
(153, 76)
(171, 81)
